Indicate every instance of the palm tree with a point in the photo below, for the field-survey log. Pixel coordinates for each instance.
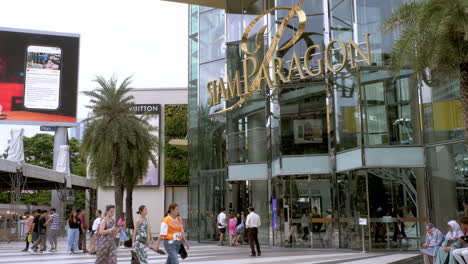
(434, 38)
(145, 152)
(116, 142)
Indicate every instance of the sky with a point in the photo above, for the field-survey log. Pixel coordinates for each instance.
(146, 39)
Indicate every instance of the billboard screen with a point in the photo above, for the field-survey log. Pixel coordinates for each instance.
(154, 110)
(38, 77)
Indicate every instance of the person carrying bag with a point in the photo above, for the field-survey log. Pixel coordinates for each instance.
(94, 232)
(172, 233)
(141, 237)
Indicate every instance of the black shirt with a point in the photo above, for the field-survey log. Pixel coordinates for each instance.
(36, 223)
(73, 224)
(42, 225)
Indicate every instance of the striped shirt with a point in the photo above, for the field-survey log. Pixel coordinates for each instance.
(55, 222)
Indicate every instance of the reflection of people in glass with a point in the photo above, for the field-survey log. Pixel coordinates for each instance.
(316, 226)
(380, 229)
(328, 229)
(399, 227)
(305, 225)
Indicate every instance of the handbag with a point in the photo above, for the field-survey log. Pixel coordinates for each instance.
(240, 228)
(30, 238)
(182, 252)
(135, 259)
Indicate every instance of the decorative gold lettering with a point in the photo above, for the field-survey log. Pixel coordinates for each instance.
(353, 46)
(344, 58)
(222, 90)
(265, 74)
(211, 98)
(247, 73)
(317, 49)
(278, 71)
(295, 65)
(233, 86)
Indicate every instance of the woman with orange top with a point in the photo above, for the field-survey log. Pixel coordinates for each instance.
(172, 233)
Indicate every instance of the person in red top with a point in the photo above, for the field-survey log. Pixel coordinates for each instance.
(28, 228)
(172, 232)
(83, 231)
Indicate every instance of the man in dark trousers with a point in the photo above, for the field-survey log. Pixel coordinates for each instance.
(253, 223)
(42, 234)
(83, 230)
(35, 228)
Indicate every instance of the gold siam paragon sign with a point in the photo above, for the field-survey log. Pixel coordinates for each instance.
(275, 75)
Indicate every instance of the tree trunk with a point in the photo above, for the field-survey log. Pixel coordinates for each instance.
(118, 192)
(129, 206)
(464, 96)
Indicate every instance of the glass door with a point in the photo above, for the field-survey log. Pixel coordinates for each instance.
(303, 209)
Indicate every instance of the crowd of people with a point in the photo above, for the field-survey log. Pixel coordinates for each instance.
(106, 234)
(450, 248)
(236, 224)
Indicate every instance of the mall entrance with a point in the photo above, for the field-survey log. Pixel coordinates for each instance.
(390, 200)
(321, 211)
(302, 211)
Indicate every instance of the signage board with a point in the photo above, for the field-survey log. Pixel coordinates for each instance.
(38, 77)
(362, 221)
(48, 128)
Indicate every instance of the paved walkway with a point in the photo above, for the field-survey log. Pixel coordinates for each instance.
(208, 254)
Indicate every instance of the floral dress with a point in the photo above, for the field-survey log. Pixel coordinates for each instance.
(140, 248)
(106, 250)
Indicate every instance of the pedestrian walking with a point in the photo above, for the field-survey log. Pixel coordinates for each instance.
(74, 226)
(42, 234)
(54, 221)
(83, 231)
(107, 249)
(122, 224)
(35, 228)
(94, 232)
(240, 229)
(142, 235)
(172, 233)
(28, 229)
(232, 230)
(222, 224)
(253, 223)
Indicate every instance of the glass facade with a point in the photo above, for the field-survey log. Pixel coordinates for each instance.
(317, 156)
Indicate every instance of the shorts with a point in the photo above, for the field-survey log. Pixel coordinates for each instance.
(222, 230)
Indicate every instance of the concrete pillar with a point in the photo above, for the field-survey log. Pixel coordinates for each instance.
(60, 138)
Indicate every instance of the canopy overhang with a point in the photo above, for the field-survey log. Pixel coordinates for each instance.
(39, 178)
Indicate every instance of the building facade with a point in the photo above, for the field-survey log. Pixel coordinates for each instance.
(320, 151)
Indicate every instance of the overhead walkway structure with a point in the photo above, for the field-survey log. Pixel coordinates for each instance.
(39, 178)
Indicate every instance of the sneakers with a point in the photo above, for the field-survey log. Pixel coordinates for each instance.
(85, 251)
(31, 251)
(122, 247)
(24, 250)
(46, 252)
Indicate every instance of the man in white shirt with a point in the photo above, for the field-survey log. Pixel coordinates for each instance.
(94, 229)
(222, 223)
(252, 224)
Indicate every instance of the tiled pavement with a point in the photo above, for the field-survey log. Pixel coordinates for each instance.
(209, 254)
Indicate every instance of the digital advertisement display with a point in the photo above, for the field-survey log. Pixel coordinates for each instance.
(38, 77)
(154, 110)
